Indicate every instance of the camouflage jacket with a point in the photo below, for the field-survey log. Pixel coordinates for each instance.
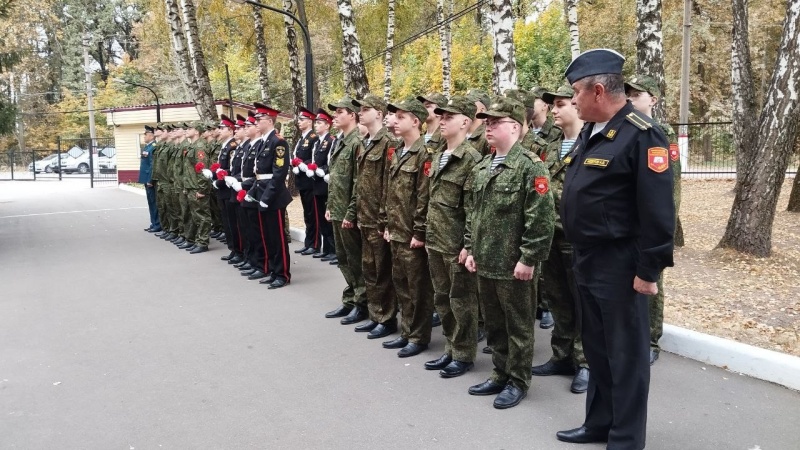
(178, 156)
(535, 144)
(558, 170)
(447, 212)
(479, 142)
(675, 162)
(194, 181)
(406, 207)
(372, 170)
(158, 161)
(549, 131)
(513, 216)
(343, 177)
(436, 142)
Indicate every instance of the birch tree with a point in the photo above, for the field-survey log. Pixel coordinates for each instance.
(387, 63)
(442, 12)
(180, 50)
(794, 195)
(294, 56)
(261, 53)
(650, 48)
(505, 67)
(767, 137)
(355, 72)
(205, 99)
(571, 15)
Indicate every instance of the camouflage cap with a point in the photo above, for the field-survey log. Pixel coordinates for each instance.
(434, 97)
(371, 101)
(477, 95)
(184, 125)
(411, 105)
(199, 126)
(505, 107)
(564, 91)
(644, 83)
(210, 126)
(537, 92)
(458, 105)
(521, 96)
(346, 102)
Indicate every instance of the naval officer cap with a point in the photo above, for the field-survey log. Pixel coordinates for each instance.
(594, 62)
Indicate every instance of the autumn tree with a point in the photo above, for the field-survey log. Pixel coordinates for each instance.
(352, 61)
(505, 66)
(794, 196)
(387, 62)
(261, 53)
(571, 17)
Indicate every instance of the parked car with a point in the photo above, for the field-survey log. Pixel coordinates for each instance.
(106, 159)
(77, 160)
(44, 165)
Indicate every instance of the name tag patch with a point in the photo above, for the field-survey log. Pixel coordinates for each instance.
(596, 162)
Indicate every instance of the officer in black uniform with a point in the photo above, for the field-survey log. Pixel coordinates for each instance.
(304, 180)
(272, 197)
(256, 266)
(235, 214)
(618, 214)
(325, 142)
(222, 191)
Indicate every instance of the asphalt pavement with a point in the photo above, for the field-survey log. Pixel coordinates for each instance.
(113, 339)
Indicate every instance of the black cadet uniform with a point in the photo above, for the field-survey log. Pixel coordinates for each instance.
(618, 213)
(304, 150)
(223, 193)
(321, 152)
(249, 224)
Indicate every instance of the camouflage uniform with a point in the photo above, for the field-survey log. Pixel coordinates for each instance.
(159, 158)
(342, 206)
(212, 151)
(478, 137)
(195, 183)
(182, 202)
(549, 131)
(511, 221)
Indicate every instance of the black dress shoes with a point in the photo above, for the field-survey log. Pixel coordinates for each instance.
(278, 283)
(235, 260)
(653, 356)
(357, 314)
(301, 250)
(180, 241)
(334, 262)
(582, 435)
(580, 383)
(256, 275)
(399, 342)
(439, 364)
(328, 257)
(213, 234)
(553, 368)
(488, 387)
(155, 230)
(149, 229)
(229, 257)
(247, 273)
(411, 349)
(366, 326)
(199, 249)
(510, 397)
(169, 237)
(245, 266)
(487, 350)
(319, 255)
(269, 280)
(185, 245)
(383, 330)
(309, 251)
(547, 320)
(436, 321)
(341, 311)
(190, 248)
(456, 369)
(161, 233)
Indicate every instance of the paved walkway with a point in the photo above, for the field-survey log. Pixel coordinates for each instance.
(113, 339)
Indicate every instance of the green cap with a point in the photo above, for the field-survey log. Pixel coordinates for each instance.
(411, 105)
(184, 125)
(538, 91)
(505, 107)
(345, 102)
(477, 95)
(199, 126)
(433, 97)
(521, 96)
(644, 83)
(564, 91)
(371, 101)
(458, 105)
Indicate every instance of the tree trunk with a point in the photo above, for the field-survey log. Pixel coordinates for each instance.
(301, 14)
(744, 104)
(180, 51)
(261, 54)
(505, 65)
(205, 99)
(571, 14)
(650, 49)
(387, 64)
(444, 44)
(794, 196)
(294, 58)
(749, 228)
(351, 50)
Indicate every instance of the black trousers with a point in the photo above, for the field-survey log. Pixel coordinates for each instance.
(311, 218)
(273, 237)
(616, 340)
(231, 221)
(325, 228)
(252, 232)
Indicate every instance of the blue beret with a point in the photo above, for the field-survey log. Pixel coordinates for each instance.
(594, 62)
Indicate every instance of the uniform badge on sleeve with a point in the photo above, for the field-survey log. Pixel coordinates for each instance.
(541, 185)
(674, 153)
(657, 159)
(390, 153)
(201, 155)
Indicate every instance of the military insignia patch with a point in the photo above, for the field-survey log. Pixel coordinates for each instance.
(280, 151)
(568, 160)
(596, 162)
(541, 185)
(674, 152)
(657, 159)
(611, 134)
(426, 168)
(390, 153)
(279, 162)
(201, 155)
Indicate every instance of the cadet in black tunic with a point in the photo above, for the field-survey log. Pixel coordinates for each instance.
(618, 214)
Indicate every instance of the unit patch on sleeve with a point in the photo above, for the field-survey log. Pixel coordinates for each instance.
(657, 159)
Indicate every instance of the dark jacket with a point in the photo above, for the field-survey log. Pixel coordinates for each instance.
(146, 163)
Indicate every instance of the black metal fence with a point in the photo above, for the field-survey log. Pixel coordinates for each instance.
(70, 159)
(710, 151)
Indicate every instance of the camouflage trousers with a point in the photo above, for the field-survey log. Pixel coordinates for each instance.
(509, 308)
(173, 206)
(412, 283)
(348, 252)
(559, 287)
(200, 212)
(183, 214)
(376, 265)
(656, 303)
(455, 300)
(161, 205)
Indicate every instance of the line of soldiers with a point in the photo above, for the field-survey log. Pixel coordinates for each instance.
(439, 207)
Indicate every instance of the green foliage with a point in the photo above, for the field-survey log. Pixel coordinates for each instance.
(542, 49)
(8, 117)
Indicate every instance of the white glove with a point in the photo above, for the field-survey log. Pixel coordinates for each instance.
(327, 178)
(249, 199)
(229, 180)
(214, 184)
(320, 173)
(309, 173)
(263, 205)
(237, 186)
(295, 170)
(303, 167)
(207, 173)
